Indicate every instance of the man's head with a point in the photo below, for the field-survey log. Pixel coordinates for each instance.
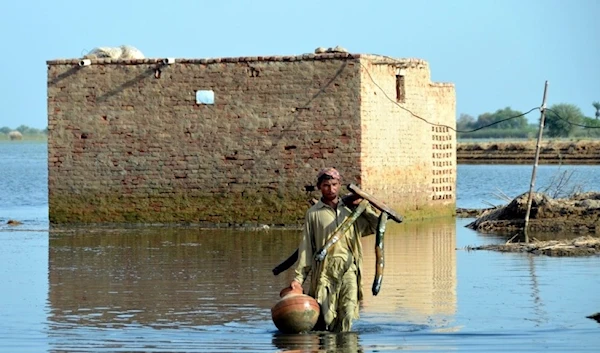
(328, 182)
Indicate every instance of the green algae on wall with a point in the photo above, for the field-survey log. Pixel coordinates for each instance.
(255, 209)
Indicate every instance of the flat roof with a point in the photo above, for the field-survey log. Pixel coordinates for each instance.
(379, 59)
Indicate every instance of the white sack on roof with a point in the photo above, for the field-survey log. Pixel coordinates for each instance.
(121, 52)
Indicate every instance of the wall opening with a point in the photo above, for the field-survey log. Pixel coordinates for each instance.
(205, 97)
(400, 88)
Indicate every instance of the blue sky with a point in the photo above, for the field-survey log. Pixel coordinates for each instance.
(497, 53)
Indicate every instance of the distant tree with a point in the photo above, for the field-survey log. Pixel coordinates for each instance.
(591, 122)
(592, 130)
(561, 120)
(597, 106)
(465, 122)
(24, 129)
(514, 119)
(5, 130)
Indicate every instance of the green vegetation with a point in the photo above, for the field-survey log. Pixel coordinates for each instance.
(561, 121)
(596, 106)
(24, 133)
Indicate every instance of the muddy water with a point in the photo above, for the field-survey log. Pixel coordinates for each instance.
(190, 290)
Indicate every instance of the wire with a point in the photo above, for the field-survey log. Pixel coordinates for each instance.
(423, 119)
(499, 121)
(571, 123)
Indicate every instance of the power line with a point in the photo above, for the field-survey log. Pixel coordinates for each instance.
(554, 113)
(425, 120)
(498, 122)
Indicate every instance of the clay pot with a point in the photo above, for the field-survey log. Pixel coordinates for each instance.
(295, 313)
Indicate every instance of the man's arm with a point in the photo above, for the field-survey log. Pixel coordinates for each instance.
(368, 220)
(305, 254)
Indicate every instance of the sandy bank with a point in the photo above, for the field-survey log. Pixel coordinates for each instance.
(551, 152)
(581, 246)
(568, 226)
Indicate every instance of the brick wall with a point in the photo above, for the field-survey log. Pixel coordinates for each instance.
(405, 156)
(129, 143)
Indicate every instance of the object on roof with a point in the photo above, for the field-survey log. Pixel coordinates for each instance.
(120, 52)
(337, 49)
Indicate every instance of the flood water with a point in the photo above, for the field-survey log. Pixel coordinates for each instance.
(197, 290)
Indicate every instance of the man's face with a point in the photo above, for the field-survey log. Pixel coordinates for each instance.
(330, 189)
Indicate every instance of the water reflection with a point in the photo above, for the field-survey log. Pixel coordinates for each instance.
(164, 277)
(216, 281)
(538, 305)
(178, 290)
(347, 342)
(420, 271)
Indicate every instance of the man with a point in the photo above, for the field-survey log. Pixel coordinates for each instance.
(336, 282)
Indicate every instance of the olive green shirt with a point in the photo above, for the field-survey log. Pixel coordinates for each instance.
(320, 222)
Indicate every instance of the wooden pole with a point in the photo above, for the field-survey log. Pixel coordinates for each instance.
(535, 163)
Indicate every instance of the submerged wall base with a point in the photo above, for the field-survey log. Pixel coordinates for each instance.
(268, 209)
(257, 209)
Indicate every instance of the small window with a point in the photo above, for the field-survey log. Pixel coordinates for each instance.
(205, 97)
(400, 89)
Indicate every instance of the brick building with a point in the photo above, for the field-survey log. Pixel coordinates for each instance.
(240, 140)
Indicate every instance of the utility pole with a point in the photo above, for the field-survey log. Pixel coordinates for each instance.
(535, 163)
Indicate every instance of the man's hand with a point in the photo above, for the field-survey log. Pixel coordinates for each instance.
(320, 255)
(352, 200)
(296, 286)
(356, 201)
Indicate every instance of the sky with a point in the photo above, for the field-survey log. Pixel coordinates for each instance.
(498, 53)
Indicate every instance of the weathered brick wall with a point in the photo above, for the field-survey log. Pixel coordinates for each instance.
(125, 145)
(129, 143)
(405, 157)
